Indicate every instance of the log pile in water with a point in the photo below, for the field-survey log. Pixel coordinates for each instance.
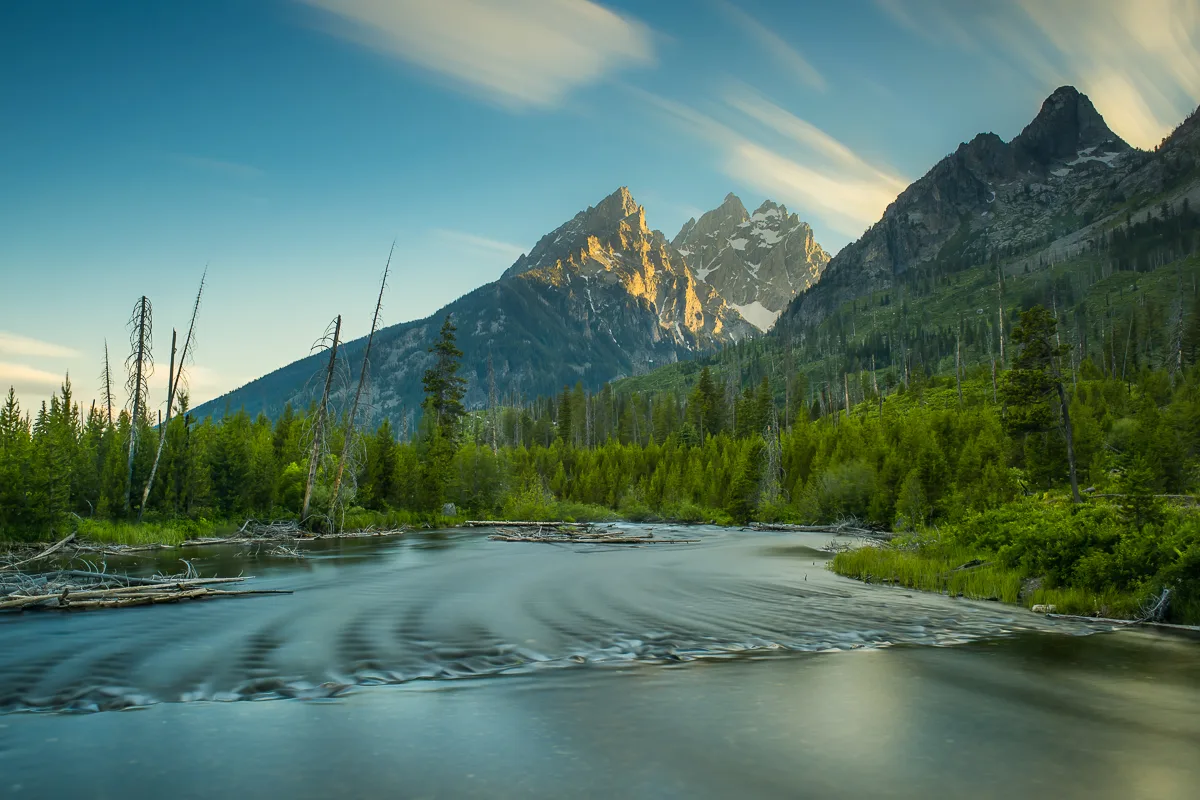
(80, 589)
(255, 532)
(76, 597)
(570, 532)
(837, 529)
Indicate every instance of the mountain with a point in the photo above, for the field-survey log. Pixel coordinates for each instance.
(1067, 214)
(758, 262)
(600, 297)
(991, 199)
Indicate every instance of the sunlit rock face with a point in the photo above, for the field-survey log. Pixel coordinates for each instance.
(758, 262)
(1033, 200)
(609, 246)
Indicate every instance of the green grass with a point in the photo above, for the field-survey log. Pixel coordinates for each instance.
(168, 531)
(930, 572)
(933, 570)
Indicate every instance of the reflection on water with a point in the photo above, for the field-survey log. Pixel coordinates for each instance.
(746, 670)
(1105, 716)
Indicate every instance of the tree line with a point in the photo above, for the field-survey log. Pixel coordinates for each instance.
(928, 449)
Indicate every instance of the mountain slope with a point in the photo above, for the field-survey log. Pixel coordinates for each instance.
(599, 297)
(758, 262)
(989, 196)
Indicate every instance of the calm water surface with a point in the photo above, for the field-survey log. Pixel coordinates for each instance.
(447, 665)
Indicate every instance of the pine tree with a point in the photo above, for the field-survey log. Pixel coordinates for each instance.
(1034, 380)
(444, 389)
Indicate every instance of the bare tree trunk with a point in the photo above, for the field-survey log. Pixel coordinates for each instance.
(1000, 309)
(846, 384)
(319, 425)
(108, 396)
(173, 380)
(958, 364)
(140, 344)
(162, 429)
(491, 402)
(362, 380)
(1125, 358)
(1062, 399)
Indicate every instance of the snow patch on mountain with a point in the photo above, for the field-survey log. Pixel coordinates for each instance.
(758, 315)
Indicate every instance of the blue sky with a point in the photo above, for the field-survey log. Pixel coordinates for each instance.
(285, 143)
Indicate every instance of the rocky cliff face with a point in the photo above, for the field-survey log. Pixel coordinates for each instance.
(600, 297)
(757, 262)
(1064, 170)
(609, 247)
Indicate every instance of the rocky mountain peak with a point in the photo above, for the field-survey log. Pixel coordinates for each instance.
(1066, 124)
(758, 262)
(617, 206)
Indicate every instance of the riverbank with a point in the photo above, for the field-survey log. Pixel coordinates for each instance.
(1096, 560)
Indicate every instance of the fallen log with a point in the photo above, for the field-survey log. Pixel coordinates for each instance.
(125, 596)
(493, 523)
(836, 530)
(48, 551)
(591, 539)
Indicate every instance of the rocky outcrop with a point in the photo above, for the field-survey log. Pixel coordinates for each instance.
(757, 262)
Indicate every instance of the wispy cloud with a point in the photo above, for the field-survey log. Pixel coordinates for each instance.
(789, 159)
(14, 344)
(20, 374)
(787, 55)
(472, 242)
(1136, 61)
(230, 168)
(937, 21)
(515, 53)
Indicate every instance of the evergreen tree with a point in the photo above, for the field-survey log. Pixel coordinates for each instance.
(1035, 382)
(444, 389)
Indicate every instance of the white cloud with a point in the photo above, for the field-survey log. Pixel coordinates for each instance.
(1137, 61)
(803, 166)
(848, 203)
(516, 53)
(780, 50)
(480, 243)
(21, 374)
(14, 344)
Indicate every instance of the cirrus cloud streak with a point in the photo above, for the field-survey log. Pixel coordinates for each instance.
(515, 53)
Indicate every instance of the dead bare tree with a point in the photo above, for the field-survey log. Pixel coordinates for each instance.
(362, 380)
(958, 363)
(322, 416)
(173, 381)
(492, 405)
(140, 366)
(106, 378)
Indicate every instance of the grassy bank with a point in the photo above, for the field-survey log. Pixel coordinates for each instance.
(1099, 559)
(933, 571)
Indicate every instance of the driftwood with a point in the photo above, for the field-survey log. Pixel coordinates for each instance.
(574, 533)
(48, 551)
(138, 591)
(592, 539)
(257, 533)
(842, 529)
(495, 523)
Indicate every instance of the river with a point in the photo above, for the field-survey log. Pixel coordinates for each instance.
(442, 664)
